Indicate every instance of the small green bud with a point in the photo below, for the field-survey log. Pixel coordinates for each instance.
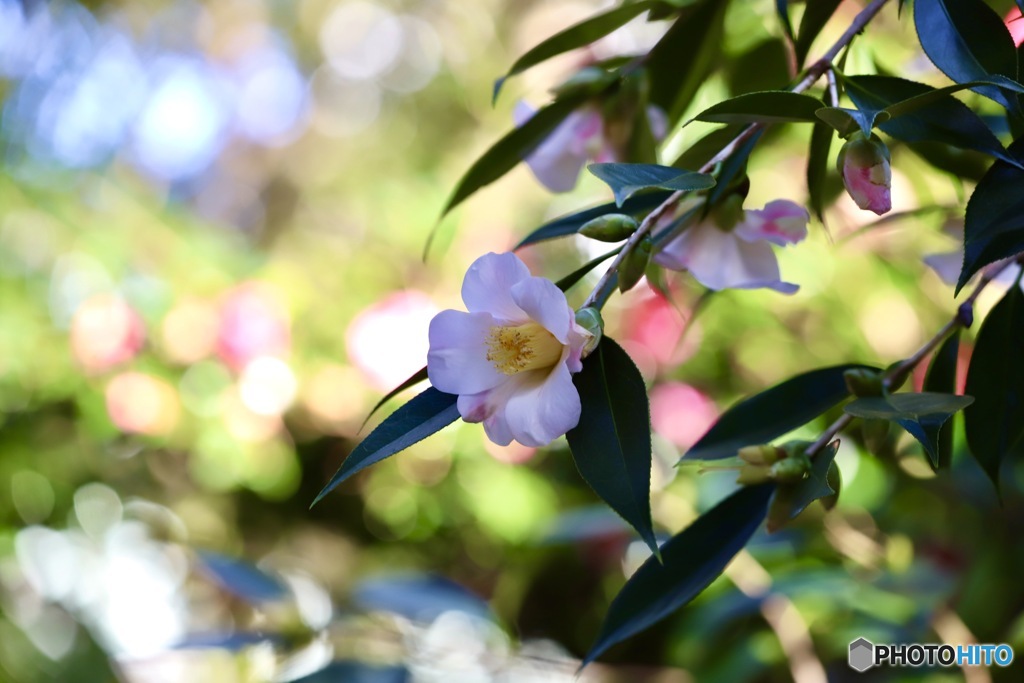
(611, 227)
(634, 265)
(864, 383)
(590, 319)
(792, 469)
(589, 79)
(751, 475)
(761, 455)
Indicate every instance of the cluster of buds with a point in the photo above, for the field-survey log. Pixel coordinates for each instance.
(772, 463)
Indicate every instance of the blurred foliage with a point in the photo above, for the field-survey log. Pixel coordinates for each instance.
(205, 286)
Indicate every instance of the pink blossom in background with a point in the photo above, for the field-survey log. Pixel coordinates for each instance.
(138, 403)
(105, 332)
(387, 341)
(739, 257)
(681, 413)
(510, 358)
(579, 138)
(1015, 24)
(655, 324)
(253, 323)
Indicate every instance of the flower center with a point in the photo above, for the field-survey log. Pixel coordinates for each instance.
(524, 347)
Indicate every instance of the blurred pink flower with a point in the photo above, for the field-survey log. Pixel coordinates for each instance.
(580, 137)
(1015, 24)
(253, 323)
(681, 413)
(105, 332)
(387, 341)
(740, 257)
(141, 404)
(867, 175)
(510, 358)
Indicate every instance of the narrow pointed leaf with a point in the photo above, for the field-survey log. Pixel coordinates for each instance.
(611, 445)
(422, 416)
(994, 221)
(790, 500)
(817, 167)
(846, 122)
(626, 179)
(967, 40)
(994, 424)
(570, 224)
(417, 377)
(782, 10)
(575, 276)
(510, 150)
(579, 35)
(941, 378)
(772, 106)
(773, 412)
(691, 559)
(816, 15)
(921, 414)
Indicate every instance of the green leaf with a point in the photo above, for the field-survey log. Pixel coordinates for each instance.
(575, 276)
(770, 106)
(773, 412)
(579, 35)
(732, 169)
(611, 445)
(967, 40)
(782, 10)
(570, 224)
(681, 61)
(422, 416)
(994, 221)
(816, 15)
(792, 499)
(691, 560)
(417, 377)
(921, 414)
(817, 167)
(945, 120)
(941, 378)
(846, 122)
(994, 424)
(626, 179)
(511, 149)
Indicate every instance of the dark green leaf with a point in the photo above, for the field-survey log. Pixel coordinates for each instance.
(422, 416)
(681, 61)
(765, 66)
(994, 221)
(846, 122)
(782, 10)
(995, 422)
(570, 224)
(691, 560)
(941, 378)
(576, 36)
(792, 499)
(575, 276)
(773, 106)
(817, 167)
(511, 149)
(417, 377)
(816, 15)
(773, 412)
(967, 40)
(945, 120)
(702, 151)
(921, 414)
(611, 445)
(626, 179)
(733, 169)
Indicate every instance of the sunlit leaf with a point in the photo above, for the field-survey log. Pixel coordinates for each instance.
(422, 416)
(611, 445)
(995, 422)
(691, 560)
(626, 179)
(790, 500)
(773, 412)
(570, 224)
(774, 106)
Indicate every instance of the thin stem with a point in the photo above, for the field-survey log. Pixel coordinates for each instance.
(602, 290)
(897, 373)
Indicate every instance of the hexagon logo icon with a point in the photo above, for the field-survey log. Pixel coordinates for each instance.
(862, 655)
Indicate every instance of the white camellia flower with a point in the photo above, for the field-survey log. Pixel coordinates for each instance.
(510, 358)
(741, 257)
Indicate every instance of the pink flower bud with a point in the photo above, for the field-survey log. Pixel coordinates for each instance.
(867, 175)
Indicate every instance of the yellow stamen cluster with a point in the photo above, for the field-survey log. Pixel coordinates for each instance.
(523, 347)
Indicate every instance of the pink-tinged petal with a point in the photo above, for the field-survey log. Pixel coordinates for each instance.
(545, 303)
(543, 408)
(457, 361)
(487, 287)
(578, 339)
(559, 158)
(522, 113)
(720, 260)
(867, 173)
(489, 407)
(946, 265)
(780, 222)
